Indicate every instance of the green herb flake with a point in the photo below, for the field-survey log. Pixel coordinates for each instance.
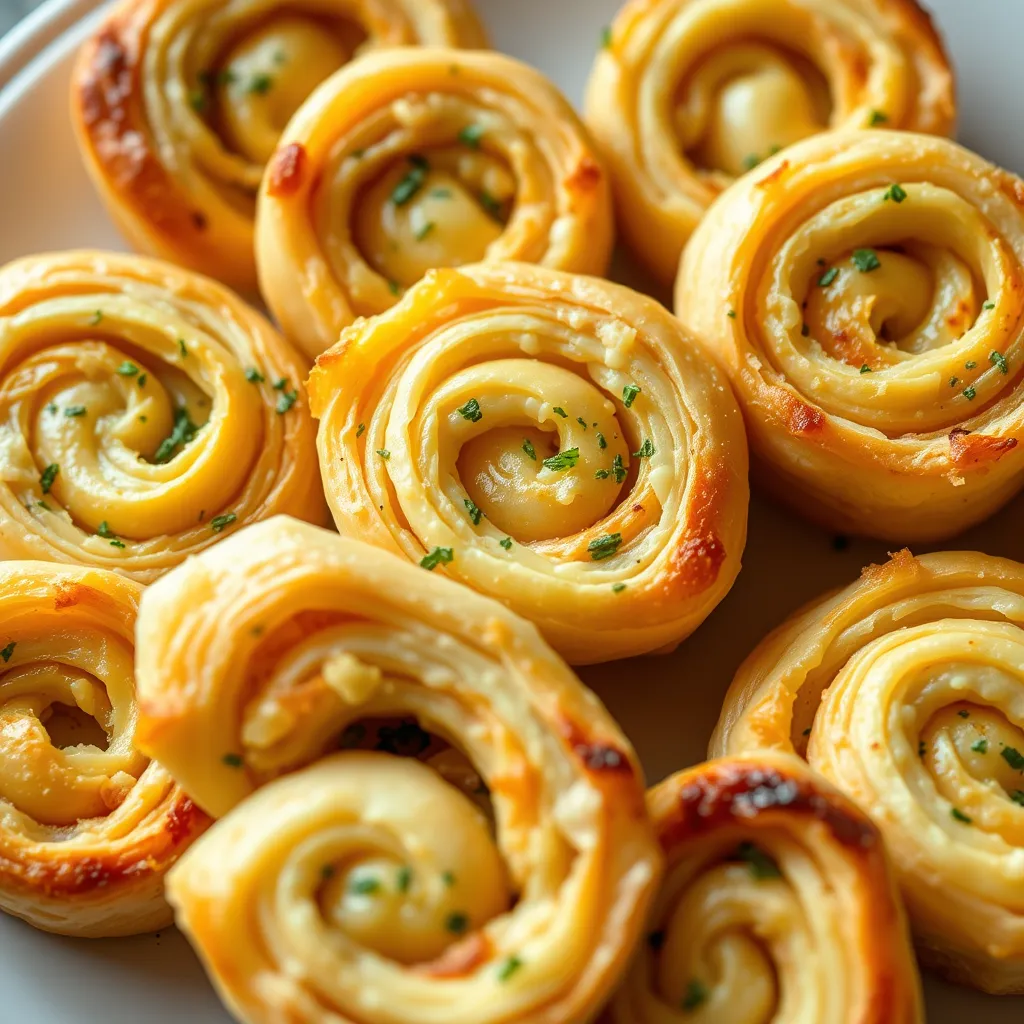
(509, 967)
(96, 318)
(865, 368)
(618, 588)
(48, 476)
(731, 314)
(412, 182)
(606, 37)
(601, 442)
(618, 469)
(953, 381)
(116, 543)
(981, 746)
(182, 348)
(559, 411)
(425, 230)
(285, 401)
(44, 506)
(1013, 758)
(142, 380)
(217, 523)
(8, 651)
(601, 474)
(582, 422)
(751, 161)
(1017, 796)
(456, 923)
(604, 547)
(260, 84)
(970, 364)
(629, 393)
(104, 530)
(563, 460)
(866, 260)
(474, 511)
(959, 815)
(127, 369)
(75, 410)
(439, 556)
(490, 204)
(877, 117)
(394, 287)
(696, 995)
(999, 360)
(403, 878)
(471, 411)
(828, 277)
(233, 760)
(360, 430)
(448, 878)
(970, 394)
(441, 193)
(989, 305)
(529, 449)
(647, 449)
(897, 193)
(384, 453)
(365, 885)
(471, 135)
(506, 543)
(183, 431)
(761, 865)
(964, 714)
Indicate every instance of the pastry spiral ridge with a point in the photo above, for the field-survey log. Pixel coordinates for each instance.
(905, 690)
(553, 441)
(145, 412)
(88, 824)
(507, 862)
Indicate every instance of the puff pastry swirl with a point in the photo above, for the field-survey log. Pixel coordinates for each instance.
(88, 825)
(144, 412)
(551, 440)
(687, 95)
(178, 105)
(777, 906)
(504, 872)
(413, 159)
(865, 292)
(906, 690)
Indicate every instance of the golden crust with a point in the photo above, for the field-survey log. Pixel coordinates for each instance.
(777, 892)
(99, 355)
(621, 550)
(689, 94)
(254, 658)
(881, 397)
(419, 158)
(86, 835)
(904, 690)
(145, 98)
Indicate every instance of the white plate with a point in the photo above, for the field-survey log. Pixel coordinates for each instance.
(668, 706)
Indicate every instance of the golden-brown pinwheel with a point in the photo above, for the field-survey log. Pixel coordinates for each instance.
(178, 106)
(503, 870)
(144, 411)
(687, 95)
(866, 293)
(554, 441)
(778, 906)
(420, 158)
(88, 825)
(907, 691)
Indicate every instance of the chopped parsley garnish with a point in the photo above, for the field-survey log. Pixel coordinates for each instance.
(981, 747)
(964, 714)
(412, 182)
(618, 588)
(127, 369)
(217, 523)
(647, 449)
(865, 368)
(529, 449)
(618, 469)
(970, 364)
(877, 117)
(490, 204)
(44, 506)
(989, 305)
(601, 442)
(253, 376)
(751, 161)
(601, 474)
(696, 995)
(183, 431)
(761, 865)
(1013, 757)
(582, 422)
(441, 193)
(365, 885)
(828, 277)
(448, 878)
(394, 287)
(285, 401)
(52, 408)
(509, 967)
(96, 318)
(142, 380)
(474, 511)
(471, 411)
(563, 460)
(866, 260)
(403, 878)
(731, 314)
(998, 359)
(233, 760)
(425, 230)
(559, 411)
(456, 923)
(439, 556)
(953, 381)
(8, 651)
(384, 453)
(75, 410)
(606, 37)
(471, 135)
(506, 543)
(897, 193)
(182, 348)
(1017, 796)
(103, 530)
(629, 393)
(260, 84)
(604, 547)
(970, 393)
(115, 543)
(959, 815)
(48, 476)
(359, 430)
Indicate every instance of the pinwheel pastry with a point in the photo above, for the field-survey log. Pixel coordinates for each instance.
(907, 691)
(144, 412)
(777, 908)
(419, 158)
(178, 106)
(864, 290)
(687, 95)
(554, 441)
(501, 869)
(88, 825)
